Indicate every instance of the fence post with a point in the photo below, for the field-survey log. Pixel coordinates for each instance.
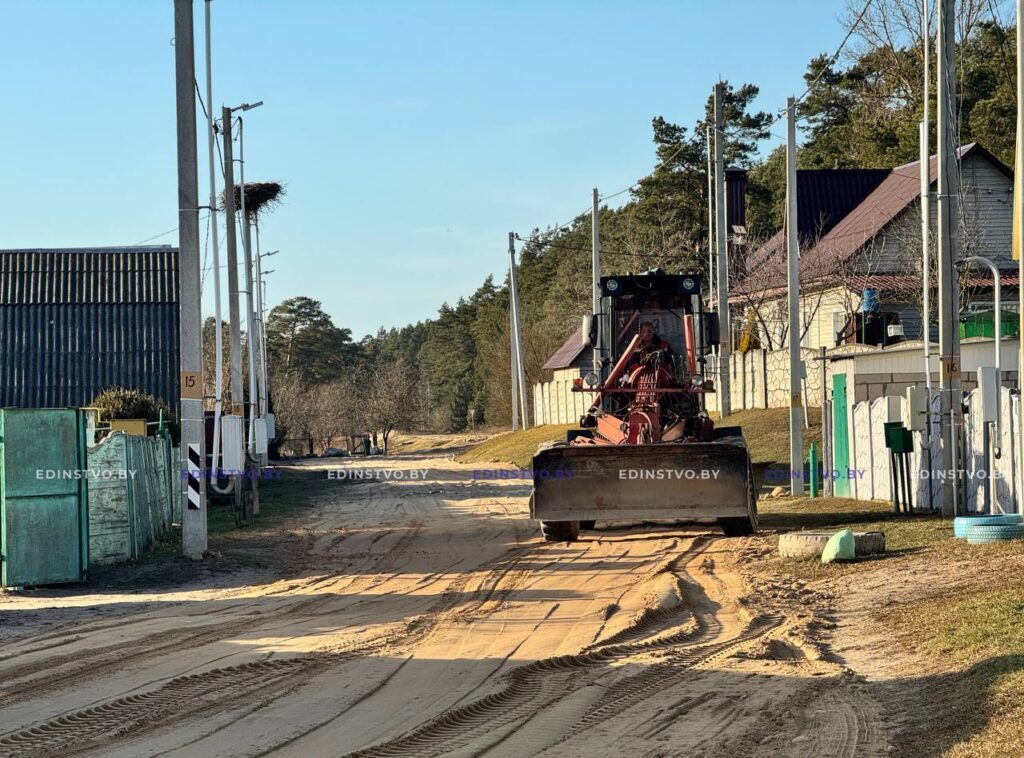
(764, 376)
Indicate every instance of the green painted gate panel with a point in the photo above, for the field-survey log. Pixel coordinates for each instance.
(43, 508)
(840, 436)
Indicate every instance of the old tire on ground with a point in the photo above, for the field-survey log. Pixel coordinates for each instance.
(809, 545)
(962, 523)
(560, 531)
(984, 533)
(803, 545)
(587, 524)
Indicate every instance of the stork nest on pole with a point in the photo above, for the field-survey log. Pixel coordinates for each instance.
(259, 198)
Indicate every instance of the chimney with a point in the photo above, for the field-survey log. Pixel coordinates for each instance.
(736, 219)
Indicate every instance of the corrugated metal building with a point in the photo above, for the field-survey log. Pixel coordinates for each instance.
(76, 321)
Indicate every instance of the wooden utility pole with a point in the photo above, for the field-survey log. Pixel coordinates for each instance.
(724, 400)
(796, 366)
(193, 437)
(948, 253)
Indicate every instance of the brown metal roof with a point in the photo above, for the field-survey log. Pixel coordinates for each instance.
(567, 354)
(825, 197)
(900, 188)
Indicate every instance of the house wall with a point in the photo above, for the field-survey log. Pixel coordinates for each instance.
(988, 229)
(988, 212)
(817, 307)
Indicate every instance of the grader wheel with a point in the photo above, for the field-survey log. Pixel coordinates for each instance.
(560, 531)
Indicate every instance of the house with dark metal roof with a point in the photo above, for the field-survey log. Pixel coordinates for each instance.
(860, 250)
(74, 322)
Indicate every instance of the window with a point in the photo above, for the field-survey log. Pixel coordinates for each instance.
(839, 320)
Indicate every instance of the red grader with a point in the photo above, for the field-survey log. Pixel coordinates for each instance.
(646, 450)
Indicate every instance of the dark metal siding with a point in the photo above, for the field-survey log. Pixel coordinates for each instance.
(74, 322)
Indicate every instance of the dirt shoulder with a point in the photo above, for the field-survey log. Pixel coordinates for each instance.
(933, 629)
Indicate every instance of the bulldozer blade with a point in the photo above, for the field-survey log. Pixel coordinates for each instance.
(691, 480)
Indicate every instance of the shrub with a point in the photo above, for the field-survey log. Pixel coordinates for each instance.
(124, 402)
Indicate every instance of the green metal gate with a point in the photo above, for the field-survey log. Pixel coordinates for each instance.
(840, 437)
(43, 505)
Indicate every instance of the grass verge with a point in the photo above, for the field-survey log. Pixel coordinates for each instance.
(766, 432)
(904, 535)
(281, 498)
(516, 448)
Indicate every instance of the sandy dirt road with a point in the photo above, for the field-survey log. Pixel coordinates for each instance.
(426, 617)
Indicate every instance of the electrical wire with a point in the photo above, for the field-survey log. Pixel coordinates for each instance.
(216, 131)
(163, 234)
(155, 237)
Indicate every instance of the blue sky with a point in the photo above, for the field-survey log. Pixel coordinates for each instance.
(412, 136)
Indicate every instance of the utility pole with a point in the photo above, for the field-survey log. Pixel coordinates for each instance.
(516, 336)
(926, 226)
(948, 252)
(262, 324)
(796, 366)
(237, 393)
(711, 220)
(218, 339)
(1018, 224)
(514, 378)
(724, 400)
(595, 233)
(250, 301)
(193, 437)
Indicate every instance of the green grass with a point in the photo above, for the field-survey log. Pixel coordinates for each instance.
(972, 618)
(767, 433)
(516, 448)
(281, 499)
(970, 624)
(978, 626)
(904, 535)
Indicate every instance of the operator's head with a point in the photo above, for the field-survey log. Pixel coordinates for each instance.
(646, 331)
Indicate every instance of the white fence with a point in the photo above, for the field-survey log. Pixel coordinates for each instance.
(758, 379)
(871, 476)
(554, 402)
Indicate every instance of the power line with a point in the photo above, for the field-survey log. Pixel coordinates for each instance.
(155, 237)
(696, 135)
(216, 142)
(162, 234)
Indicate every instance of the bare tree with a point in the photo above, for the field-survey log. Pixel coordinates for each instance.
(390, 399)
